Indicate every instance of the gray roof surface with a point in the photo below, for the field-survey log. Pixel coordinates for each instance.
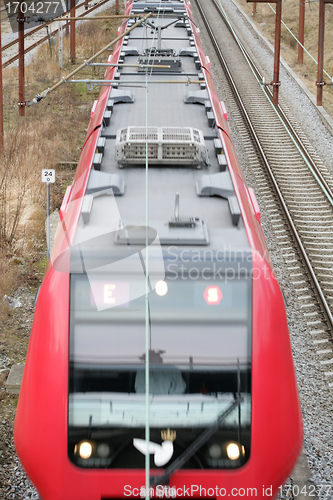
(165, 106)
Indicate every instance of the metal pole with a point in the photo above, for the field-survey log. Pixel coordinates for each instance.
(60, 44)
(20, 20)
(86, 6)
(320, 83)
(254, 10)
(48, 219)
(301, 30)
(1, 98)
(49, 37)
(276, 82)
(117, 6)
(72, 32)
(67, 24)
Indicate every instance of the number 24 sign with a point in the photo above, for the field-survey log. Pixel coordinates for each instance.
(48, 176)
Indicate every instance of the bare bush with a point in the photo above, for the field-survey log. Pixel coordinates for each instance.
(27, 152)
(51, 134)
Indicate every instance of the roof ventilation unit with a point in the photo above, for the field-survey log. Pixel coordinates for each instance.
(166, 146)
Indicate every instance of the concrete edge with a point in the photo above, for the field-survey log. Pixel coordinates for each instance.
(324, 116)
(13, 382)
(302, 486)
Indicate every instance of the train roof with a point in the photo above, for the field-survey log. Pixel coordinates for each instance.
(191, 197)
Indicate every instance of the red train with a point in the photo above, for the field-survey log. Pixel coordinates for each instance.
(160, 264)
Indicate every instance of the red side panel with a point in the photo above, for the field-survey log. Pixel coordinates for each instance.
(255, 205)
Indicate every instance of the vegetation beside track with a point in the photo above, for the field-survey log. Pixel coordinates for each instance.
(49, 136)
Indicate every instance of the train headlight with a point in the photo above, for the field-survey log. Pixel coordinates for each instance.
(85, 449)
(103, 450)
(161, 288)
(233, 451)
(215, 451)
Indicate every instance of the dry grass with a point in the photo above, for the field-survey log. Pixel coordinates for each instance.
(265, 21)
(9, 274)
(49, 136)
(26, 150)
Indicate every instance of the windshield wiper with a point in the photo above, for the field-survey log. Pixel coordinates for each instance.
(194, 447)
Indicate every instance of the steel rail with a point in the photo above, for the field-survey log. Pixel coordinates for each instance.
(31, 32)
(45, 38)
(309, 267)
(282, 114)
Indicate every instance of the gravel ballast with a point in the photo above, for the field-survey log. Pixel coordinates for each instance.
(315, 395)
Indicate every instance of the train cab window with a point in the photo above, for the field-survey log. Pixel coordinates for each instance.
(161, 382)
(200, 363)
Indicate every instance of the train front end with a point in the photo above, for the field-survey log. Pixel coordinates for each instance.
(220, 376)
(160, 266)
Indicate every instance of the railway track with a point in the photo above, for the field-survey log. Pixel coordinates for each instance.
(35, 31)
(282, 157)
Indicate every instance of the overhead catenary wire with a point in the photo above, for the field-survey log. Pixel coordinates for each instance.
(147, 310)
(147, 313)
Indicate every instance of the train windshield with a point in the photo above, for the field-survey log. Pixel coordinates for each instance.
(199, 356)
